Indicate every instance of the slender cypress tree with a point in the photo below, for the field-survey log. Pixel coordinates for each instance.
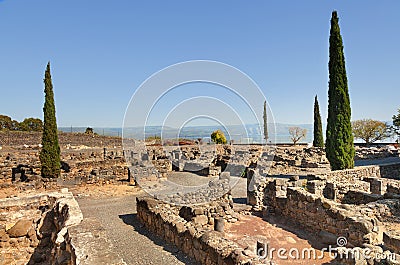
(50, 153)
(318, 135)
(339, 137)
(265, 122)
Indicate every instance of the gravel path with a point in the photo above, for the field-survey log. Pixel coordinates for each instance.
(133, 243)
(129, 239)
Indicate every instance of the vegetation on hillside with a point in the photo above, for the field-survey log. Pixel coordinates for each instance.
(28, 124)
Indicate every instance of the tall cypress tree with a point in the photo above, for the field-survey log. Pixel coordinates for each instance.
(339, 137)
(318, 135)
(50, 153)
(265, 122)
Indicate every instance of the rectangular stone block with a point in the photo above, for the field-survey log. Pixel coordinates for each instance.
(315, 187)
(330, 191)
(377, 187)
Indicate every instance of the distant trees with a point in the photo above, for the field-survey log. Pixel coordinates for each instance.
(5, 122)
(339, 137)
(396, 124)
(265, 119)
(31, 124)
(218, 137)
(318, 135)
(370, 130)
(28, 124)
(89, 130)
(50, 153)
(296, 134)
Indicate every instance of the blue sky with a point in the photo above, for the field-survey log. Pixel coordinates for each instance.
(101, 51)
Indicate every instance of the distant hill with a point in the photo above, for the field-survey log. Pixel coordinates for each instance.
(249, 133)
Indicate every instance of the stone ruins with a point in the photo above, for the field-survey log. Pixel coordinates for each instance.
(294, 184)
(194, 199)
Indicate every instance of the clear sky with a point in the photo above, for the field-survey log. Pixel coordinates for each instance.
(101, 51)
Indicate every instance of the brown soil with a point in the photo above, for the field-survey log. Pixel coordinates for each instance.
(96, 191)
(103, 191)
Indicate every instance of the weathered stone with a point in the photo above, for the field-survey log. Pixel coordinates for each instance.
(4, 236)
(180, 227)
(20, 228)
(225, 176)
(200, 219)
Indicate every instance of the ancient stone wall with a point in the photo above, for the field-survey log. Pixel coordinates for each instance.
(357, 173)
(375, 152)
(34, 230)
(355, 186)
(29, 140)
(79, 166)
(327, 217)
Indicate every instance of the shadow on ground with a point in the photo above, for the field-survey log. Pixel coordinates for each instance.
(240, 200)
(132, 220)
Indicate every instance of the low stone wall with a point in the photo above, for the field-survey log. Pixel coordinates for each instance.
(192, 237)
(34, 230)
(17, 139)
(390, 171)
(349, 186)
(365, 152)
(357, 173)
(258, 187)
(330, 218)
(88, 166)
